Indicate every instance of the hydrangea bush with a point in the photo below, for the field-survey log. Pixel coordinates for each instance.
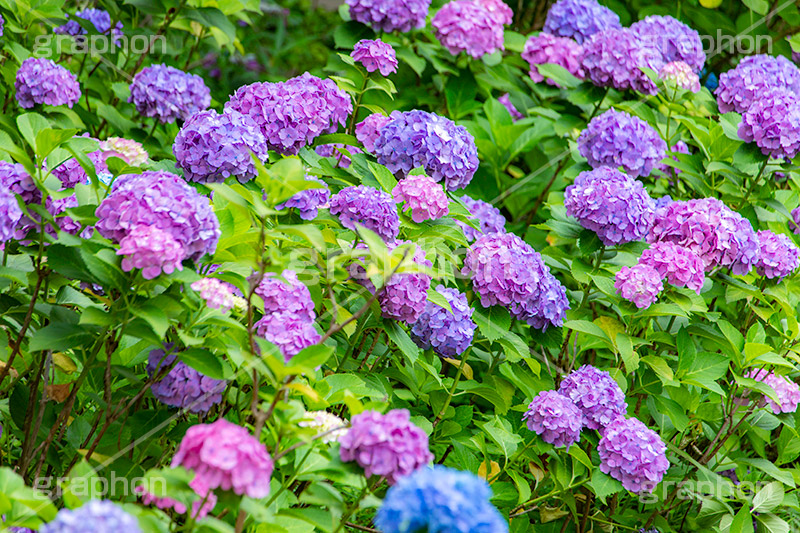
(404, 266)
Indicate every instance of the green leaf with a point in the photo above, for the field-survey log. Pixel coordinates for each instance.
(400, 337)
(384, 176)
(768, 498)
(49, 139)
(310, 358)
(603, 485)
(205, 362)
(660, 367)
(437, 298)
(60, 336)
(784, 476)
(494, 322)
(30, 124)
(559, 74)
(742, 522)
(706, 369)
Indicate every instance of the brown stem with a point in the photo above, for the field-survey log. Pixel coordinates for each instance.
(24, 328)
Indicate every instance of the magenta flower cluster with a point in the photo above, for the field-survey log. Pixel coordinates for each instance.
(617, 139)
(633, 454)
(711, 230)
(211, 147)
(226, 456)
(41, 81)
(309, 201)
(640, 284)
(375, 55)
(675, 263)
(671, 40)
(152, 250)
(778, 255)
(372, 208)
(448, 332)
(420, 139)
(773, 123)
(555, 418)
(787, 391)
(292, 113)
(390, 15)
(740, 87)
(612, 204)
(547, 48)
(612, 58)
(385, 445)
(182, 386)
(368, 130)
(168, 93)
(467, 26)
(489, 219)
(596, 394)
(579, 19)
(506, 271)
(426, 198)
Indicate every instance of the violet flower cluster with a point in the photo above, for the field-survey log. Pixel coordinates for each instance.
(292, 113)
(498, 10)
(596, 394)
(100, 19)
(168, 93)
(211, 147)
(555, 418)
(216, 293)
(672, 40)
(94, 515)
(579, 19)
(506, 271)
(375, 55)
(183, 386)
(448, 332)
(372, 208)
(640, 284)
(711, 230)
(786, 391)
(390, 15)
(226, 456)
(613, 57)
(309, 201)
(740, 87)
(612, 204)
(368, 130)
(41, 81)
(681, 74)
(10, 215)
(489, 218)
(773, 123)
(633, 454)
(385, 445)
(778, 255)
(439, 500)
(617, 139)
(467, 26)
(426, 198)
(420, 139)
(547, 48)
(675, 263)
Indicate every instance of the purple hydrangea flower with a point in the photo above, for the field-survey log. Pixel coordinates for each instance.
(786, 390)
(612, 204)
(555, 418)
(284, 294)
(291, 332)
(499, 10)
(368, 130)
(449, 333)
(678, 265)
(152, 250)
(596, 394)
(2, 28)
(216, 293)
(57, 208)
(633, 454)
(41, 81)
(14, 178)
(424, 196)
(466, 26)
(183, 386)
(99, 18)
(506, 271)
(211, 147)
(579, 19)
(773, 123)
(309, 201)
(375, 55)
(419, 139)
(617, 139)
(385, 445)
(226, 456)
(778, 256)
(681, 75)
(405, 294)
(369, 207)
(546, 48)
(711, 230)
(753, 76)
(70, 172)
(640, 284)
(168, 93)
(506, 101)
(10, 215)
(490, 220)
(439, 500)
(292, 113)
(679, 147)
(206, 497)
(613, 57)
(95, 515)
(390, 15)
(164, 200)
(672, 40)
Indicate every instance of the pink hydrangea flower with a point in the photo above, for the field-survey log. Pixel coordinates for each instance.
(545, 48)
(128, 150)
(640, 284)
(424, 196)
(787, 391)
(200, 508)
(681, 74)
(151, 249)
(375, 55)
(368, 130)
(216, 293)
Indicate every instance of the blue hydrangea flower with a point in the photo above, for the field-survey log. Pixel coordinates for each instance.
(579, 19)
(100, 516)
